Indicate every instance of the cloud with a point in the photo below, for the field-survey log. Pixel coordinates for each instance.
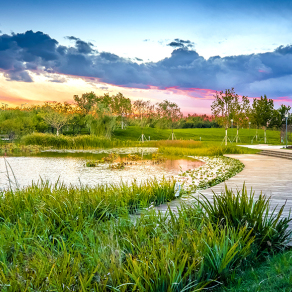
(253, 75)
(177, 43)
(81, 46)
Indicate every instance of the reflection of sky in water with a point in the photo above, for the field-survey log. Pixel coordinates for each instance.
(73, 170)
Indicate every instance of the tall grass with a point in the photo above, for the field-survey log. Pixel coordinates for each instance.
(69, 142)
(53, 239)
(207, 150)
(66, 203)
(239, 209)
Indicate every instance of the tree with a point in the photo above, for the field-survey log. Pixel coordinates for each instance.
(86, 101)
(15, 122)
(140, 106)
(240, 114)
(55, 119)
(262, 112)
(223, 108)
(121, 106)
(170, 112)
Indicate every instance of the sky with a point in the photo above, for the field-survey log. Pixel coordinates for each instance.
(183, 51)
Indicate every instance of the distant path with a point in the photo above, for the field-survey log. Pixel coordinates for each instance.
(271, 175)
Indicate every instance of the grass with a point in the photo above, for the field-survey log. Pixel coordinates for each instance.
(187, 138)
(168, 147)
(210, 134)
(114, 200)
(58, 239)
(207, 149)
(275, 274)
(72, 142)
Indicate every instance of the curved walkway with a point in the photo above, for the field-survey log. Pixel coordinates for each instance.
(270, 175)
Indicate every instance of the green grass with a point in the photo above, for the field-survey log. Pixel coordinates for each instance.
(186, 138)
(207, 151)
(114, 200)
(72, 142)
(209, 134)
(58, 239)
(275, 274)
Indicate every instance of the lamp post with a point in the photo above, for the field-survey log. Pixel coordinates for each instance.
(231, 129)
(286, 117)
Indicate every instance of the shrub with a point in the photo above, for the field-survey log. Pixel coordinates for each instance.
(240, 209)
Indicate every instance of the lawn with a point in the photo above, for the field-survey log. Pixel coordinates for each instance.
(208, 134)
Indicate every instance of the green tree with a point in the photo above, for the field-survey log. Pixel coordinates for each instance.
(223, 108)
(170, 112)
(15, 122)
(86, 102)
(240, 114)
(262, 113)
(121, 106)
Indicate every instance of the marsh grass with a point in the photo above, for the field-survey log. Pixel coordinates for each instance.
(12, 148)
(73, 142)
(59, 239)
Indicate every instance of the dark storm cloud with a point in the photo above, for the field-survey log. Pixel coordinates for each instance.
(255, 74)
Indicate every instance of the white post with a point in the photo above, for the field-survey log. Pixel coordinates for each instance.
(225, 136)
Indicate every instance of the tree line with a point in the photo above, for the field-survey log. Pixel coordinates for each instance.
(97, 115)
(101, 115)
(229, 109)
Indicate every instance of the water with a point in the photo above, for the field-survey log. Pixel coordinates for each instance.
(70, 168)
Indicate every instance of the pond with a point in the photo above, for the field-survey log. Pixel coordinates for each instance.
(70, 167)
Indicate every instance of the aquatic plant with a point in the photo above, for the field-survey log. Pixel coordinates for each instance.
(133, 157)
(214, 171)
(119, 165)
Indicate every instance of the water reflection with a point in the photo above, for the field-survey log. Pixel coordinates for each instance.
(72, 170)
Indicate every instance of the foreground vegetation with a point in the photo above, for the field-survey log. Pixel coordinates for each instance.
(59, 239)
(274, 274)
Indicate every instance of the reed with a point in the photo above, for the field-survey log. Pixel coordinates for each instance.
(73, 142)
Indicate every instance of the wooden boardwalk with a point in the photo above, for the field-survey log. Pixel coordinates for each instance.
(270, 175)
